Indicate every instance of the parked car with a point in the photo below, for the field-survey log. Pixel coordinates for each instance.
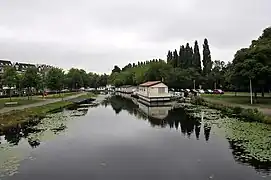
(218, 91)
(209, 91)
(201, 91)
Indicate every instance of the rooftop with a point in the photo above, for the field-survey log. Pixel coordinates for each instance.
(5, 62)
(150, 83)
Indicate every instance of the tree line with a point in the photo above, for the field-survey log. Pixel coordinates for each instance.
(54, 79)
(187, 67)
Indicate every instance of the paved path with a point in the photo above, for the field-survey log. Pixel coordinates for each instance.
(44, 102)
(266, 111)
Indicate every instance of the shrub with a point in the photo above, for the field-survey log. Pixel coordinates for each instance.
(252, 115)
(237, 110)
(198, 100)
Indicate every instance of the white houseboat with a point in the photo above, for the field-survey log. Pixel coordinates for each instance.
(153, 92)
(128, 89)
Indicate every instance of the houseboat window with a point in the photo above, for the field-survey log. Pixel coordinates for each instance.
(161, 90)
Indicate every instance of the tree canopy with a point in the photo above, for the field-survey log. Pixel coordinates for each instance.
(185, 66)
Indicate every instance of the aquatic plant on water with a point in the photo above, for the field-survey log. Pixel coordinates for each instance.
(253, 139)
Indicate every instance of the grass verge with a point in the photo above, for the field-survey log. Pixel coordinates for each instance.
(59, 95)
(246, 114)
(19, 116)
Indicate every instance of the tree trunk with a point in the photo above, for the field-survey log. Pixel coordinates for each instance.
(262, 92)
(28, 90)
(235, 93)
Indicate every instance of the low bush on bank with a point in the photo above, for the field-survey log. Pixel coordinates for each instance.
(251, 115)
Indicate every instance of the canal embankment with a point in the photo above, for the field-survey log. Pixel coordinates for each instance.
(245, 113)
(17, 115)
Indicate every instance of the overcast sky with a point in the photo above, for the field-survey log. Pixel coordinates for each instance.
(97, 34)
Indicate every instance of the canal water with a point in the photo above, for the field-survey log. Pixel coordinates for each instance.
(119, 140)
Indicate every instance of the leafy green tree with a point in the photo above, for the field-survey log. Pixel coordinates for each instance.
(55, 79)
(84, 77)
(75, 79)
(207, 61)
(254, 63)
(31, 79)
(116, 69)
(9, 78)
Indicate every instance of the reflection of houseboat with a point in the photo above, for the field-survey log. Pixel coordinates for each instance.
(153, 93)
(157, 112)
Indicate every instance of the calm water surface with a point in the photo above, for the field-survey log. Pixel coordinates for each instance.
(116, 140)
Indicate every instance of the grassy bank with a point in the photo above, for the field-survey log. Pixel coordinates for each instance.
(88, 95)
(241, 100)
(59, 95)
(234, 110)
(19, 116)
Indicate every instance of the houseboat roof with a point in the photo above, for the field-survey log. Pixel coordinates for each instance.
(149, 83)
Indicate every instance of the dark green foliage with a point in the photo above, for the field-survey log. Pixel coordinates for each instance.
(198, 100)
(181, 59)
(9, 77)
(184, 67)
(196, 58)
(75, 79)
(207, 61)
(55, 79)
(116, 69)
(175, 58)
(253, 63)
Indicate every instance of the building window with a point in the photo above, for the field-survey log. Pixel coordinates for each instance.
(161, 90)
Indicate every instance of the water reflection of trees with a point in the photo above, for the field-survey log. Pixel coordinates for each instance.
(33, 130)
(176, 118)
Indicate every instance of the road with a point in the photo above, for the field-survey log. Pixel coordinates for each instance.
(44, 102)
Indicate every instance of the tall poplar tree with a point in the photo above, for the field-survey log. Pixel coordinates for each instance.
(181, 57)
(196, 57)
(188, 56)
(169, 57)
(175, 58)
(207, 61)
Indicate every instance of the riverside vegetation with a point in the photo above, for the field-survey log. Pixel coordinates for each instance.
(251, 115)
(35, 113)
(252, 139)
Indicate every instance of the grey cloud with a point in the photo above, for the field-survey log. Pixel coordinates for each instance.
(87, 34)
